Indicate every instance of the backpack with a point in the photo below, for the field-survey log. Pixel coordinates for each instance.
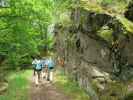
(38, 65)
(34, 62)
(50, 63)
(43, 63)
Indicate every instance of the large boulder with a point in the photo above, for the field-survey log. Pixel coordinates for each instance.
(86, 50)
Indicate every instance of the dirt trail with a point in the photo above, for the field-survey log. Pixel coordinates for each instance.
(46, 91)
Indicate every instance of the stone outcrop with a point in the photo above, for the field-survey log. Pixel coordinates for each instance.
(87, 52)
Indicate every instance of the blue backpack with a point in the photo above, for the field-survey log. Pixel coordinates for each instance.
(38, 66)
(50, 63)
(43, 63)
(34, 65)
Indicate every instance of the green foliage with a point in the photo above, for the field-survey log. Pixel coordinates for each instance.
(116, 91)
(69, 87)
(129, 96)
(107, 1)
(23, 27)
(102, 6)
(18, 86)
(128, 25)
(113, 91)
(106, 33)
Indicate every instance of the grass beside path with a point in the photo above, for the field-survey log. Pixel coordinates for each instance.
(69, 88)
(18, 86)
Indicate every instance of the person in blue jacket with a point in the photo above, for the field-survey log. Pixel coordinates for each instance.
(49, 63)
(44, 68)
(34, 64)
(37, 70)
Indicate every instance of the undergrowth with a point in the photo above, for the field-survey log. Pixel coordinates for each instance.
(69, 87)
(18, 86)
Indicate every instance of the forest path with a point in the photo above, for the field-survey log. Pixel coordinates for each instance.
(46, 91)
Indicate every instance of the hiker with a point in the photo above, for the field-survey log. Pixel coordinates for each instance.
(37, 70)
(50, 65)
(34, 62)
(46, 72)
(44, 69)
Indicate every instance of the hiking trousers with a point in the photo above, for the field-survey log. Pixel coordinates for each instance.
(37, 76)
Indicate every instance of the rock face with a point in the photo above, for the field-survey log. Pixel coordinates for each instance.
(87, 54)
(3, 87)
(129, 12)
